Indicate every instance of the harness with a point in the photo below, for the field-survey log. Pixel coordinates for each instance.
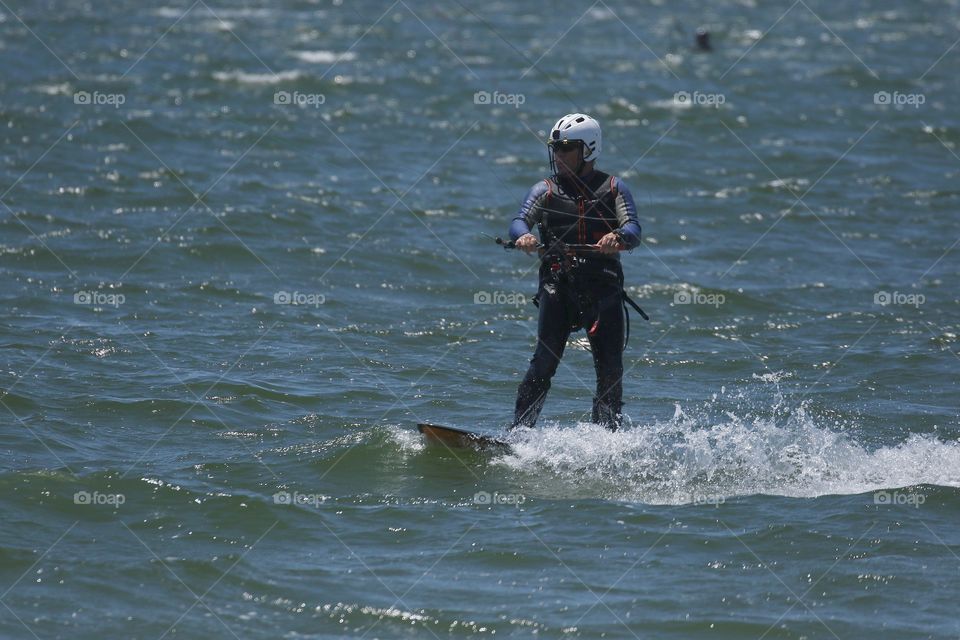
(563, 275)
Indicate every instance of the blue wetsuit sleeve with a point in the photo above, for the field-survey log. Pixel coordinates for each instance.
(530, 211)
(627, 215)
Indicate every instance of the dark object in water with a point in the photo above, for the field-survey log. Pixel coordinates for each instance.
(703, 40)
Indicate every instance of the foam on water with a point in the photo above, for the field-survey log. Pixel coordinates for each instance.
(177, 13)
(326, 57)
(243, 77)
(408, 440)
(697, 458)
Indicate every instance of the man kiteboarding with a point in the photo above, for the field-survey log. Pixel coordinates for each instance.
(584, 218)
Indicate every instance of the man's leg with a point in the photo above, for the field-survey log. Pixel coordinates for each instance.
(553, 329)
(607, 346)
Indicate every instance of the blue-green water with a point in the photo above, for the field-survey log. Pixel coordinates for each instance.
(185, 456)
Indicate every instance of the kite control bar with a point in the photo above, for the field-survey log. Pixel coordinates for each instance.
(562, 247)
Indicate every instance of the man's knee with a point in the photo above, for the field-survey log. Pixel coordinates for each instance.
(543, 364)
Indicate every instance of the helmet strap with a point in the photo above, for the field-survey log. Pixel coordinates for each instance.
(582, 162)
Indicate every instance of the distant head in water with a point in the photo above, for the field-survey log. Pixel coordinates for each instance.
(703, 40)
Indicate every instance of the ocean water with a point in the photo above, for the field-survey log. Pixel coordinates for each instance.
(244, 249)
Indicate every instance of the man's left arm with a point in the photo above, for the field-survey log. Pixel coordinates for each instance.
(629, 225)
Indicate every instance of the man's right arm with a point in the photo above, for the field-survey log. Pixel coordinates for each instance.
(531, 211)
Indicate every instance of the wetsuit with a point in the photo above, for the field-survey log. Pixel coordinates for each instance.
(586, 295)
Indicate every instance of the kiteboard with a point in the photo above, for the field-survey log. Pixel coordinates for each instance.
(460, 438)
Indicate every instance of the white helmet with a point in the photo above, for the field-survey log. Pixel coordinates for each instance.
(579, 126)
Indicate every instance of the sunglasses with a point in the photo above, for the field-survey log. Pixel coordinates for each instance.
(565, 146)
